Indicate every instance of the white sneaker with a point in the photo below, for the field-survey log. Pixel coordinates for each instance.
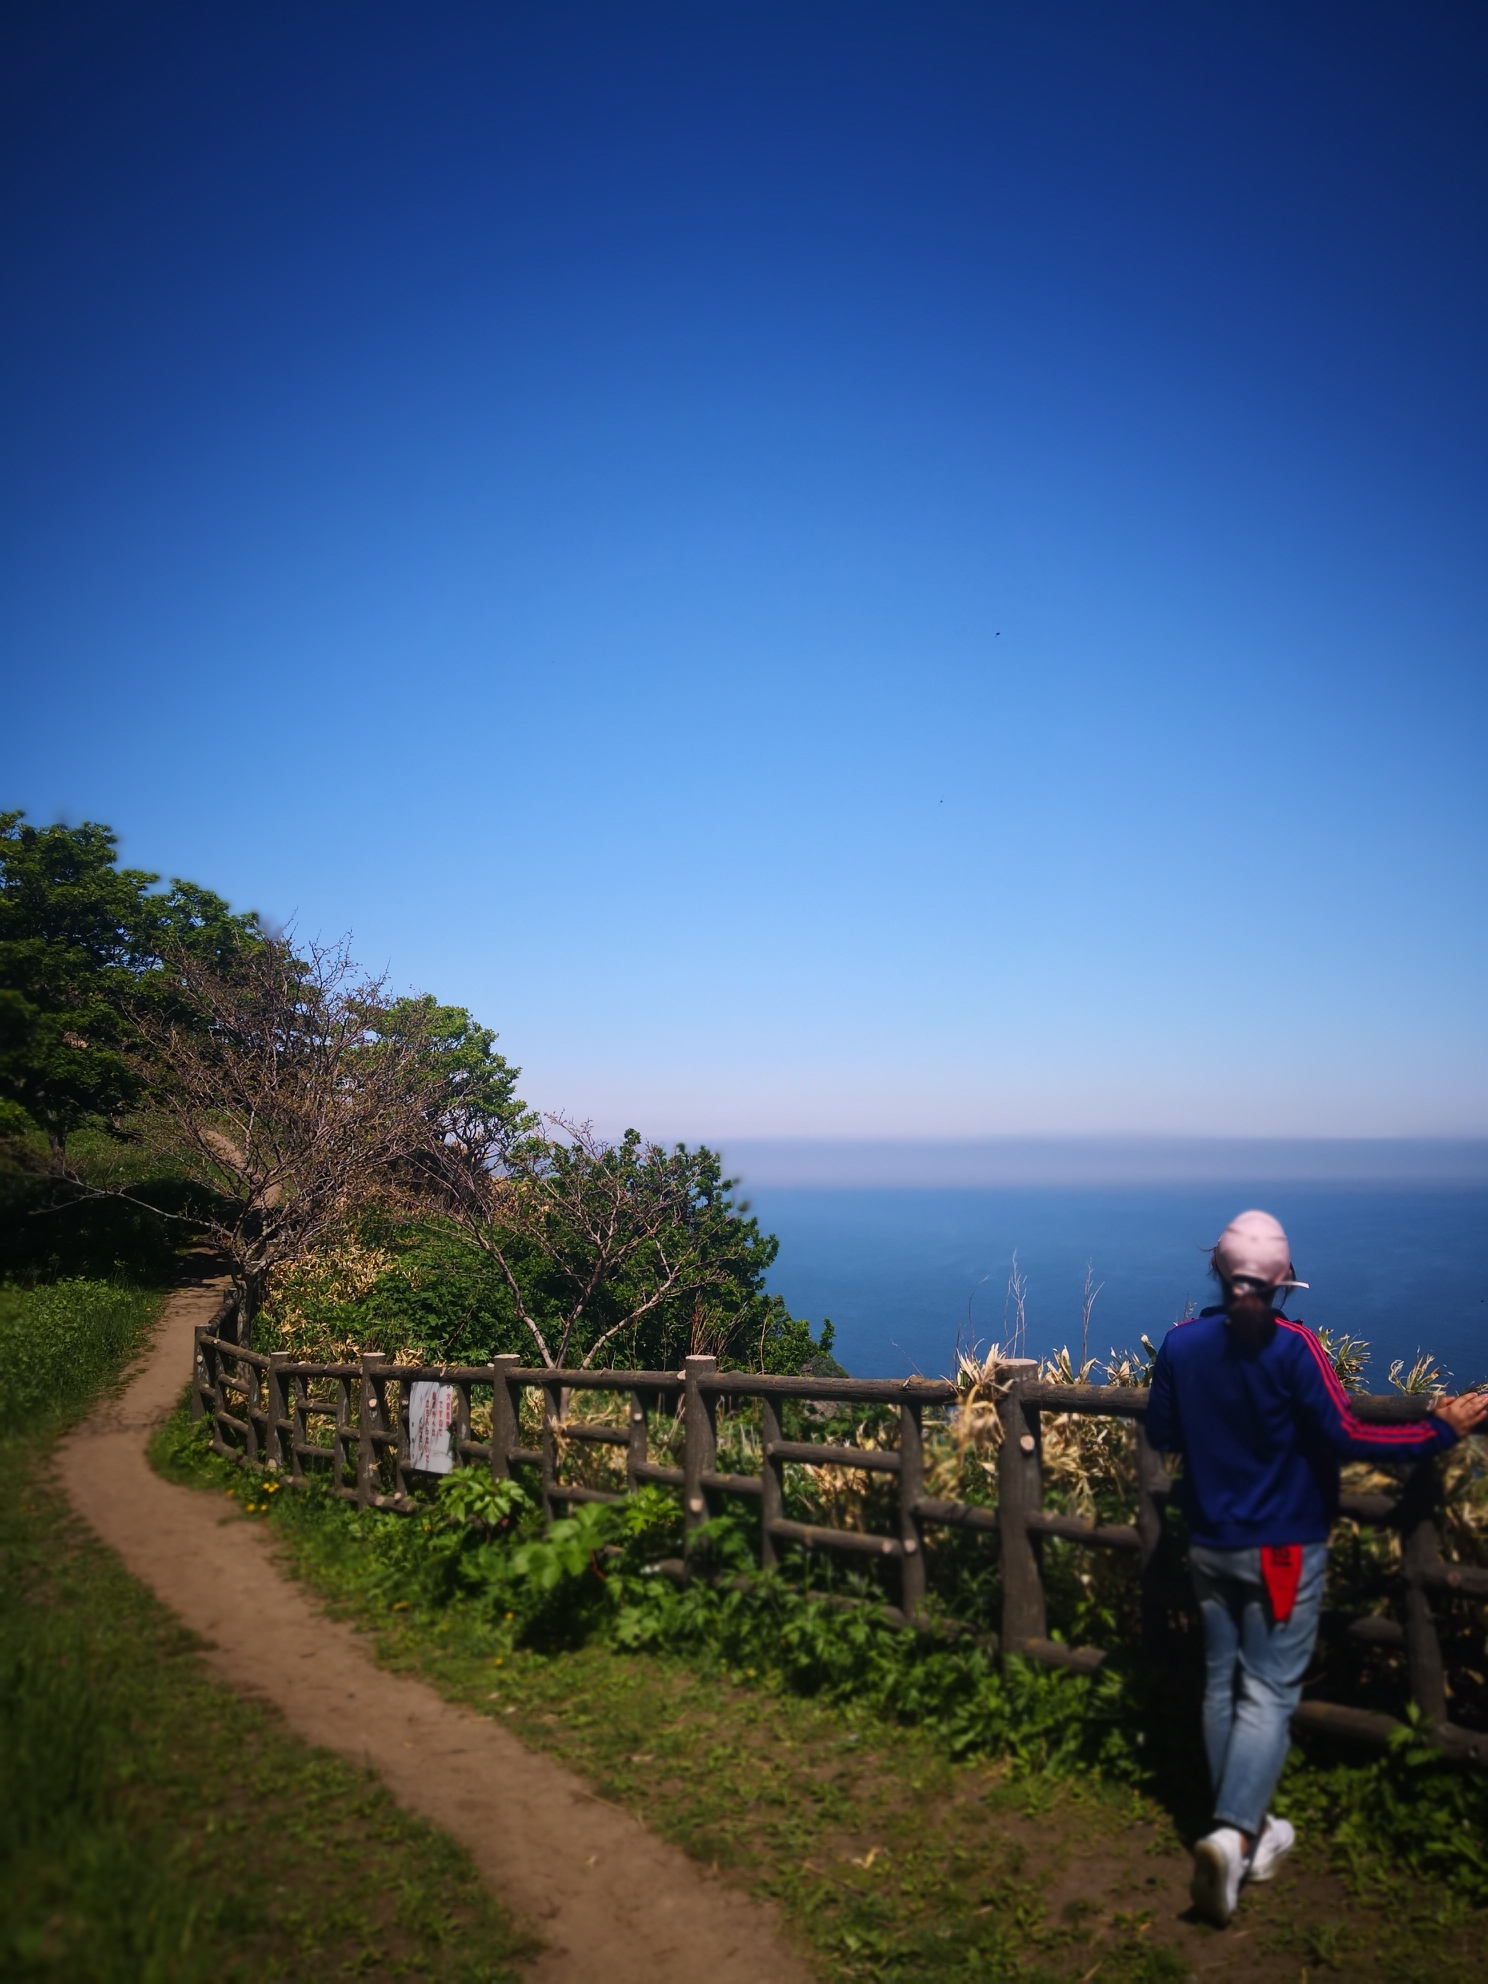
(1277, 1839)
(1219, 1868)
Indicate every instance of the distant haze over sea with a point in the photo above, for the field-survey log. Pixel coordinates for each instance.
(996, 1161)
(907, 1245)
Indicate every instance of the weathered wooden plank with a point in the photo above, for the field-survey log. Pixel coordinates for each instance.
(911, 1489)
(1079, 1529)
(1419, 1558)
(845, 1391)
(1020, 1496)
(1465, 1580)
(958, 1515)
(559, 1493)
(504, 1435)
(253, 1358)
(1377, 1632)
(1105, 1401)
(636, 1439)
(1054, 1653)
(699, 1441)
(854, 1542)
(665, 1477)
(1354, 1725)
(670, 1382)
(811, 1453)
(772, 1492)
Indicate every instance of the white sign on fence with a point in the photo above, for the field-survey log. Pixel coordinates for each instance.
(431, 1409)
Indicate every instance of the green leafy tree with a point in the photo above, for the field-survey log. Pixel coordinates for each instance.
(81, 943)
(624, 1253)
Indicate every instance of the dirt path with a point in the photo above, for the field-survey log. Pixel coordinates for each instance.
(606, 1897)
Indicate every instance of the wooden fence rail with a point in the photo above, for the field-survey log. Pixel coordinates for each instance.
(261, 1407)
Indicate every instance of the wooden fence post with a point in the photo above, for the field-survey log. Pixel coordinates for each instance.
(212, 1381)
(341, 1435)
(1152, 1493)
(911, 1487)
(252, 1395)
(367, 1420)
(198, 1372)
(460, 1430)
(1020, 1494)
(503, 1416)
(299, 1434)
(401, 1429)
(1418, 1557)
(277, 1409)
(699, 1440)
(552, 1420)
(635, 1445)
(772, 1491)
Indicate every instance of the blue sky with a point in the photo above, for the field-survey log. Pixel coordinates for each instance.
(834, 570)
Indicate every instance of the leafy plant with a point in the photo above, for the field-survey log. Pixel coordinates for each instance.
(59, 1342)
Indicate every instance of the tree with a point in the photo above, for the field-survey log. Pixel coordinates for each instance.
(298, 1092)
(81, 942)
(622, 1250)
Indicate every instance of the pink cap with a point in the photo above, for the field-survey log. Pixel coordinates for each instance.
(1254, 1248)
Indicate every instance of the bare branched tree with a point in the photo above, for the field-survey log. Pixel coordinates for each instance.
(294, 1089)
(604, 1234)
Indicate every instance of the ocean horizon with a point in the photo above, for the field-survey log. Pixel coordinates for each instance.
(906, 1245)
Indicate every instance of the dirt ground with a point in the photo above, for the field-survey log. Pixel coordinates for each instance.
(606, 1897)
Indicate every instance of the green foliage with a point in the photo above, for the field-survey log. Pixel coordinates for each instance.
(599, 1578)
(423, 1287)
(59, 1342)
(809, 1749)
(631, 1254)
(80, 940)
(1410, 1808)
(410, 1287)
(479, 1109)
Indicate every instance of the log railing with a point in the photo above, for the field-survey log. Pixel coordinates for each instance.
(261, 1407)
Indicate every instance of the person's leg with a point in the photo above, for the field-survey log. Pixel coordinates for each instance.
(1221, 1595)
(1273, 1660)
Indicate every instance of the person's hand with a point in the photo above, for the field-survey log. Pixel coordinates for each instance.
(1465, 1414)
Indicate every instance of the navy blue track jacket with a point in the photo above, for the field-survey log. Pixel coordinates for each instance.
(1262, 1431)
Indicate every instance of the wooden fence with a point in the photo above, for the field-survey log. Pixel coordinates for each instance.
(261, 1406)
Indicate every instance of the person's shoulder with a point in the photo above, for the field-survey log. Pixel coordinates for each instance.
(1298, 1340)
(1191, 1333)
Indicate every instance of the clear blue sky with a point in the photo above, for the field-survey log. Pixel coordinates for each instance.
(894, 569)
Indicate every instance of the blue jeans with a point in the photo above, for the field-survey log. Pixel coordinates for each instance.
(1247, 1728)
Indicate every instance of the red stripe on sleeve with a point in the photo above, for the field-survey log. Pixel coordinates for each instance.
(1411, 1434)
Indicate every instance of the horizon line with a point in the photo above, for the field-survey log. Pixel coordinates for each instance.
(1137, 1158)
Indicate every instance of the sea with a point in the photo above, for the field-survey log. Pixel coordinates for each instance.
(908, 1249)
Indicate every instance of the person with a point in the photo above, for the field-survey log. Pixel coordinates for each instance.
(1248, 1397)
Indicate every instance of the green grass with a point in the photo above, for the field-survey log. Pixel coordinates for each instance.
(154, 1826)
(891, 1858)
(59, 1342)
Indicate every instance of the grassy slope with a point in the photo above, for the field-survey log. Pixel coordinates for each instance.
(152, 1825)
(889, 1860)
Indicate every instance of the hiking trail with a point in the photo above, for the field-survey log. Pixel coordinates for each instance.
(605, 1896)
